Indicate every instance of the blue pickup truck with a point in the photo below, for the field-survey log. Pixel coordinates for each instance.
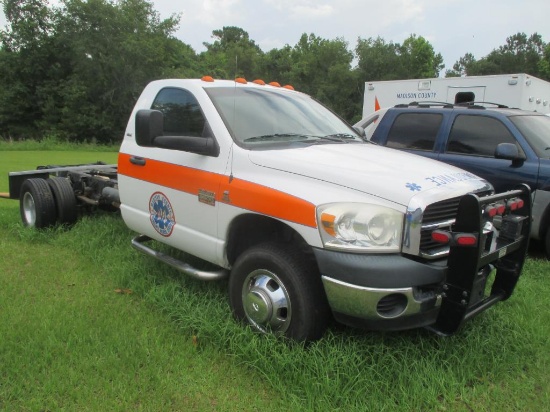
(503, 145)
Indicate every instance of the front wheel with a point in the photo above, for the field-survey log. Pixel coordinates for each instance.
(276, 289)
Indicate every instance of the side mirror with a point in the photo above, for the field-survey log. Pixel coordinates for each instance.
(509, 151)
(149, 124)
(207, 146)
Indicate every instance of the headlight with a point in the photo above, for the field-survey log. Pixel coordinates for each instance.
(360, 227)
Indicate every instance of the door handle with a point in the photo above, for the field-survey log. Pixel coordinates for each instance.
(136, 160)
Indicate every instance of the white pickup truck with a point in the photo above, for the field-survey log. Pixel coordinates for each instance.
(306, 220)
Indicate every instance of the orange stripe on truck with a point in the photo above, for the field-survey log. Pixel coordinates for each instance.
(241, 193)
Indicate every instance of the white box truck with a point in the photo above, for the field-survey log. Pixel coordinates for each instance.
(513, 90)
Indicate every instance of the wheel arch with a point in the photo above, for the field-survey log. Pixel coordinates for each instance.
(252, 229)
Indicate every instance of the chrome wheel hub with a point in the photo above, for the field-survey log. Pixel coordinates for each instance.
(29, 209)
(266, 302)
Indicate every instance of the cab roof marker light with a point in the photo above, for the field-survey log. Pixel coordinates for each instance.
(288, 86)
(274, 84)
(240, 80)
(259, 81)
(209, 79)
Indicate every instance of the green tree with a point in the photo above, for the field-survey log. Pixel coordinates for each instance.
(417, 59)
(322, 68)
(232, 54)
(25, 62)
(544, 64)
(77, 69)
(520, 54)
(377, 59)
(276, 65)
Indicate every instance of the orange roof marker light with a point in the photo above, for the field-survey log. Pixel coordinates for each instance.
(259, 81)
(288, 86)
(207, 79)
(240, 80)
(274, 84)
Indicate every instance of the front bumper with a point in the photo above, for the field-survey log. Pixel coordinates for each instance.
(382, 292)
(394, 292)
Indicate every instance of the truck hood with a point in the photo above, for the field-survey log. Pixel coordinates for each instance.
(382, 172)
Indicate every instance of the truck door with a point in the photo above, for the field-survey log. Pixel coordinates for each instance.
(457, 94)
(471, 145)
(168, 194)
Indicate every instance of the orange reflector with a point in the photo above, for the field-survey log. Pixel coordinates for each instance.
(466, 240)
(240, 80)
(259, 81)
(274, 84)
(288, 86)
(327, 221)
(207, 79)
(441, 237)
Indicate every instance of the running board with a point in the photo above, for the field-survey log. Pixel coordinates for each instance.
(138, 243)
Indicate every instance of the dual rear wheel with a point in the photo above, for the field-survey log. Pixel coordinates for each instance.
(46, 202)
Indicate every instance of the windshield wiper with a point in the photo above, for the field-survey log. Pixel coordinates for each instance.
(276, 136)
(337, 137)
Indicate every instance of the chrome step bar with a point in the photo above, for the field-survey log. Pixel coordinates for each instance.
(138, 243)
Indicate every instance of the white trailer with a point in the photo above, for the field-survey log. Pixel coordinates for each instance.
(513, 90)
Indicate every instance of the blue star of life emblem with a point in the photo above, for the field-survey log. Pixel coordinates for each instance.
(161, 214)
(413, 187)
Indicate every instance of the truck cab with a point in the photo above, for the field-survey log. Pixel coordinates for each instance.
(304, 217)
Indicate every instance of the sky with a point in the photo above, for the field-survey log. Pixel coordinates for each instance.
(453, 27)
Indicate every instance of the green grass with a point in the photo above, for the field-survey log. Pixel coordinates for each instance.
(69, 341)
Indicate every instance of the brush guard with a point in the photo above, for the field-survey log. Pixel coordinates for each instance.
(476, 248)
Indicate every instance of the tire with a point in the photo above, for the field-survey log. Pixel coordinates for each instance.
(36, 204)
(65, 200)
(276, 289)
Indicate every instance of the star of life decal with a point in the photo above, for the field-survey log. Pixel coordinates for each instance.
(161, 214)
(413, 187)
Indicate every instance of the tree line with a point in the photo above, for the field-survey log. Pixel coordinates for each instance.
(74, 71)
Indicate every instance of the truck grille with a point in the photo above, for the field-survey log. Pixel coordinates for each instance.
(439, 215)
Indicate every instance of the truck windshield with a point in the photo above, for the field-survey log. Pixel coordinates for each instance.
(536, 130)
(258, 118)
